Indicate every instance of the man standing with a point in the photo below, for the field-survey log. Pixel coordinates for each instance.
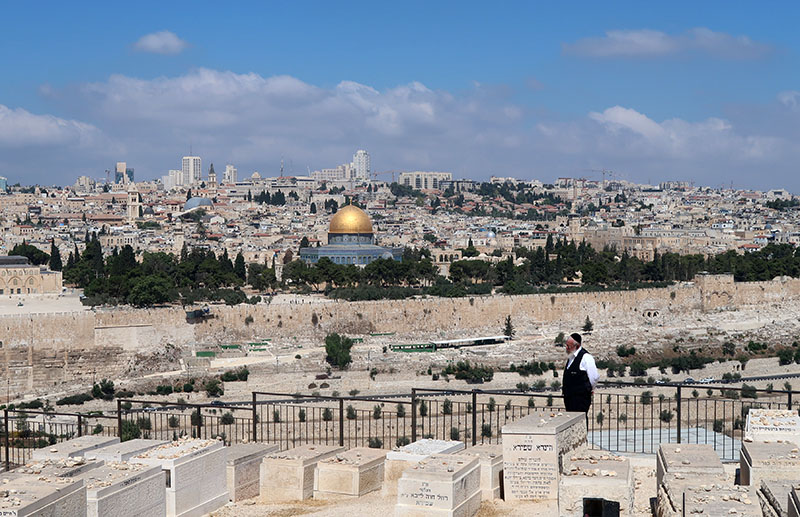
(580, 376)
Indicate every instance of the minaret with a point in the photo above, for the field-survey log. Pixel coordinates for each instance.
(212, 177)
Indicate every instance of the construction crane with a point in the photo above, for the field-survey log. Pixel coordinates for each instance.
(374, 175)
(604, 172)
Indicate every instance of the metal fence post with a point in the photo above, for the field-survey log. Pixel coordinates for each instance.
(341, 422)
(678, 397)
(8, 440)
(119, 419)
(199, 421)
(255, 420)
(80, 425)
(413, 414)
(789, 399)
(474, 417)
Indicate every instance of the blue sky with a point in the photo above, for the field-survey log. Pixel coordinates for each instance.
(703, 91)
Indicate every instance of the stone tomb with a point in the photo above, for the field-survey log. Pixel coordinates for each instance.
(761, 460)
(409, 455)
(29, 495)
(74, 447)
(122, 451)
(794, 502)
(772, 425)
(722, 501)
(125, 490)
(595, 476)
(289, 475)
(446, 485)
(774, 497)
(533, 448)
(688, 459)
(490, 459)
(60, 468)
(244, 464)
(195, 475)
(352, 473)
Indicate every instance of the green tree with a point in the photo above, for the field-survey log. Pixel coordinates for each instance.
(150, 290)
(337, 349)
(34, 254)
(509, 328)
(588, 325)
(239, 267)
(55, 257)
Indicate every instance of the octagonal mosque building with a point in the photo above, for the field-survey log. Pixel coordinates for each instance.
(351, 240)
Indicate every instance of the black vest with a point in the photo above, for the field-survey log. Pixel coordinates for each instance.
(576, 381)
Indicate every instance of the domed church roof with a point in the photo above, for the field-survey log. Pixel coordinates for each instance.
(350, 219)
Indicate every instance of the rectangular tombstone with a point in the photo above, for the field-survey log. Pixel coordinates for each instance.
(400, 459)
(766, 460)
(74, 447)
(773, 425)
(30, 495)
(122, 451)
(243, 466)
(533, 448)
(60, 468)
(722, 501)
(794, 502)
(352, 473)
(670, 492)
(595, 476)
(446, 485)
(490, 459)
(289, 475)
(195, 475)
(688, 459)
(125, 490)
(774, 496)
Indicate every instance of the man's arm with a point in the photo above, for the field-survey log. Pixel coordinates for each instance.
(589, 366)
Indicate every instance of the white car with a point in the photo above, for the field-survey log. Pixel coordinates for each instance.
(707, 380)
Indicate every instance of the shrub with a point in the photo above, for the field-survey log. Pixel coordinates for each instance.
(213, 388)
(276, 416)
(622, 417)
(227, 418)
(625, 351)
(97, 429)
(555, 385)
(599, 418)
(402, 441)
(144, 423)
(447, 407)
(423, 408)
(549, 401)
(508, 405)
(126, 406)
(164, 389)
(455, 434)
(695, 393)
(486, 430)
(492, 405)
(337, 349)
(196, 418)
(129, 431)
(78, 399)
(376, 412)
(353, 392)
(327, 414)
(375, 443)
(531, 402)
(401, 411)
(718, 426)
(786, 356)
(749, 391)
(173, 422)
(559, 339)
(188, 387)
(350, 413)
(665, 415)
(646, 397)
(523, 386)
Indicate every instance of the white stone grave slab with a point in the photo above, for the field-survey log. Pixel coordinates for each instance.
(446, 485)
(774, 496)
(722, 501)
(289, 475)
(490, 459)
(59, 468)
(195, 475)
(351, 473)
(772, 425)
(29, 495)
(533, 448)
(401, 458)
(74, 447)
(243, 466)
(767, 460)
(794, 502)
(688, 459)
(125, 490)
(122, 451)
(595, 476)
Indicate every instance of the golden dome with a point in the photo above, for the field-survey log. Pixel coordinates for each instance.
(350, 219)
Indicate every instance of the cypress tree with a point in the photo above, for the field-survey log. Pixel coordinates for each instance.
(55, 257)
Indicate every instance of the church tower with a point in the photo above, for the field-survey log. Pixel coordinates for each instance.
(134, 203)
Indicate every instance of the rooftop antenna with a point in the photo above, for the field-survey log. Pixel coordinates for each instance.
(281, 165)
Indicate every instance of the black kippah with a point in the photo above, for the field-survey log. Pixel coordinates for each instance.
(576, 337)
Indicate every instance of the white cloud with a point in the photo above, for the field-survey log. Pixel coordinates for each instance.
(646, 43)
(162, 42)
(19, 128)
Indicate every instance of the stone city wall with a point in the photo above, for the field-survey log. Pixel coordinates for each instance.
(36, 347)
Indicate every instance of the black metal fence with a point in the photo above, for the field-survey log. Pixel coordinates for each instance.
(622, 422)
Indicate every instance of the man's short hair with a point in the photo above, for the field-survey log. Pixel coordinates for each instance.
(576, 337)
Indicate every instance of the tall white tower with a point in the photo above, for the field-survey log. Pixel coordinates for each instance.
(192, 170)
(361, 165)
(230, 175)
